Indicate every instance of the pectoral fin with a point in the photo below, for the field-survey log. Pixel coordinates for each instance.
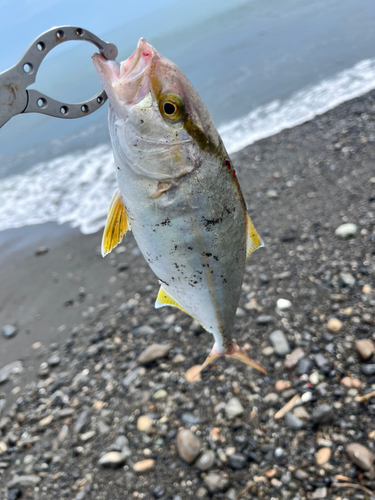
(254, 241)
(164, 299)
(117, 224)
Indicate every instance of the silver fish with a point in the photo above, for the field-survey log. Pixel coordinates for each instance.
(178, 192)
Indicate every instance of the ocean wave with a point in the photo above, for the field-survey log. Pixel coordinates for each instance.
(78, 188)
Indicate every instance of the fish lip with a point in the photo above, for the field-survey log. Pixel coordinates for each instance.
(124, 80)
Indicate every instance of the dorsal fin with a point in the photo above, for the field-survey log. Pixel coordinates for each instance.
(164, 299)
(253, 240)
(117, 224)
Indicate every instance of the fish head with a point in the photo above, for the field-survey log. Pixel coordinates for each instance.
(158, 124)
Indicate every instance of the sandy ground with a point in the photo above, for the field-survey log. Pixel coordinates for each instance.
(300, 185)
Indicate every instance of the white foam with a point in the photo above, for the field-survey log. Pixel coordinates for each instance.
(78, 188)
(302, 106)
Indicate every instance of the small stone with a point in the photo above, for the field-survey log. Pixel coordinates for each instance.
(304, 366)
(86, 436)
(322, 414)
(143, 330)
(322, 456)
(293, 422)
(301, 413)
(201, 493)
(160, 394)
(188, 446)
(272, 193)
(158, 491)
(216, 483)
(233, 408)
(237, 461)
(268, 351)
(334, 325)
(179, 358)
(300, 474)
(283, 304)
(153, 352)
(41, 251)
(263, 319)
(282, 385)
(9, 331)
(24, 481)
(14, 493)
(350, 382)
(367, 289)
(346, 230)
(54, 360)
(368, 370)
(314, 378)
(280, 343)
(365, 348)
(292, 359)
(347, 279)
(45, 421)
(271, 398)
(144, 423)
(205, 461)
(360, 456)
(193, 374)
(319, 493)
(112, 459)
(144, 465)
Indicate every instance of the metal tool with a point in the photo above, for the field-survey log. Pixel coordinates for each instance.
(16, 99)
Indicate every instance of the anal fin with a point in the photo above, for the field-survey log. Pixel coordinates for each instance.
(164, 299)
(117, 224)
(253, 240)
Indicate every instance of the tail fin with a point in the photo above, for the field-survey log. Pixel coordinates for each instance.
(234, 351)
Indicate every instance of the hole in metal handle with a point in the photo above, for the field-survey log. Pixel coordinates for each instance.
(84, 108)
(100, 99)
(60, 34)
(64, 110)
(41, 103)
(28, 68)
(41, 46)
(79, 32)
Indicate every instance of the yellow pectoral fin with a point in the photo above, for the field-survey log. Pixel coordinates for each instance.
(117, 224)
(253, 241)
(164, 299)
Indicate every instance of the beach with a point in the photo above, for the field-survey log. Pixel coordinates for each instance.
(82, 323)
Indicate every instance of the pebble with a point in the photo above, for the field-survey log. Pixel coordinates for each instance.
(263, 319)
(188, 446)
(26, 481)
(334, 325)
(153, 352)
(368, 370)
(268, 351)
(158, 491)
(280, 343)
(293, 422)
(205, 461)
(237, 461)
(201, 493)
(160, 394)
(112, 459)
(144, 423)
(304, 366)
(216, 483)
(282, 385)
(54, 359)
(292, 359)
(346, 230)
(322, 456)
(283, 304)
(322, 414)
(365, 348)
(350, 382)
(14, 493)
(367, 289)
(319, 493)
(86, 436)
(9, 331)
(144, 465)
(347, 279)
(233, 408)
(360, 456)
(179, 358)
(143, 330)
(41, 251)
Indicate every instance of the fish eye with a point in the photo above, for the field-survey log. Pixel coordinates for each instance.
(171, 107)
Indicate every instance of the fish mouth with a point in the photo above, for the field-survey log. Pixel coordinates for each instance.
(127, 82)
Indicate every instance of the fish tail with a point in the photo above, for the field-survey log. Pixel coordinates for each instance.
(233, 351)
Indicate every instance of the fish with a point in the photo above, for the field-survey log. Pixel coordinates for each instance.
(177, 192)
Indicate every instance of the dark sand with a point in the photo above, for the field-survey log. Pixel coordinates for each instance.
(320, 176)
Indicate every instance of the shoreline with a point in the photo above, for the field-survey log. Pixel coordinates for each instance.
(299, 185)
